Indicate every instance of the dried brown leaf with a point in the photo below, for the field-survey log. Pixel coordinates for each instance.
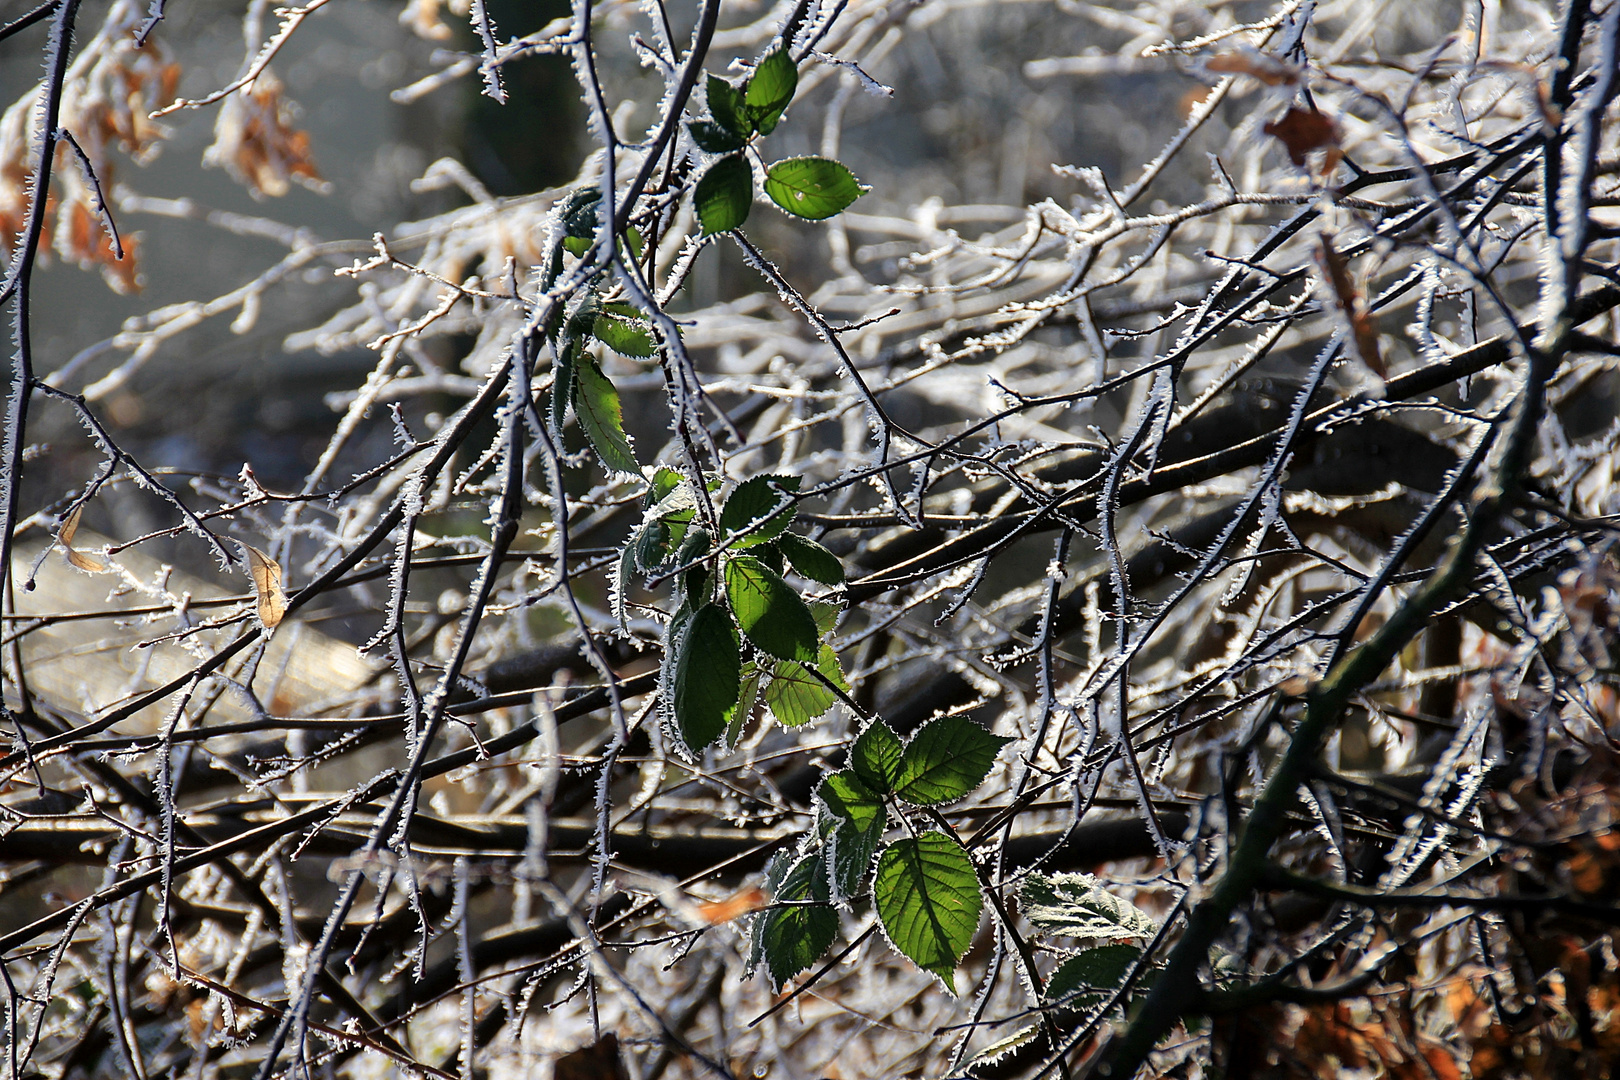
(266, 574)
(77, 559)
(1257, 65)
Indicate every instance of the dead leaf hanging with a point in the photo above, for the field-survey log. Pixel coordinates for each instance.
(77, 559)
(266, 574)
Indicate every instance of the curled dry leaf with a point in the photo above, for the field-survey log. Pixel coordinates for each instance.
(1303, 131)
(266, 574)
(255, 142)
(77, 559)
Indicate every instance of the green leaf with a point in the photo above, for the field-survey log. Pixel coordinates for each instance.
(769, 612)
(770, 89)
(694, 582)
(562, 383)
(596, 403)
(791, 938)
(714, 137)
(626, 337)
(579, 215)
(945, 760)
(708, 675)
(726, 106)
(725, 195)
(861, 820)
(650, 546)
(633, 238)
(811, 559)
(662, 481)
(747, 698)
(796, 696)
(758, 510)
(812, 187)
(1002, 1048)
(928, 900)
(1076, 905)
(875, 757)
(577, 246)
(771, 556)
(1082, 980)
(826, 613)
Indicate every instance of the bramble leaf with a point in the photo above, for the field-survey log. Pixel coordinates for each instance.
(726, 106)
(811, 559)
(714, 137)
(875, 757)
(945, 760)
(812, 187)
(796, 696)
(928, 900)
(596, 404)
(627, 335)
(1076, 905)
(860, 820)
(758, 510)
(725, 195)
(791, 938)
(1081, 981)
(769, 612)
(769, 90)
(708, 673)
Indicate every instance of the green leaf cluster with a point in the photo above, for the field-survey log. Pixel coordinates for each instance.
(813, 188)
(740, 632)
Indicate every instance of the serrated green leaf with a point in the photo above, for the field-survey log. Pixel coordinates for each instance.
(826, 614)
(812, 187)
(596, 404)
(861, 819)
(769, 612)
(694, 582)
(627, 337)
(747, 698)
(650, 546)
(713, 137)
(875, 757)
(791, 938)
(661, 481)
(1002, 1047)
(1083, 980)
(566, 356)
(725, 195)
(707, 677)
(771, 556)
(811, 559)
(945, 760)
(726, 107)
(796, 696)
(770, 89)
(758, 510)
(1077, 905)
(928, 899)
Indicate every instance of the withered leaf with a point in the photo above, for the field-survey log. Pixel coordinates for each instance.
(1257, 65)
(77, 559)
(266, 574)
(1302, 131)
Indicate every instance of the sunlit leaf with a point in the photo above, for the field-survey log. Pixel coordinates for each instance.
(76, 558)
(596, 403)
(1077, 905)
(812, 187)
(945, 760)
(266, 575)
(625, 336)
(726, 106)
(796, 696)
(928, 900)
(770, 89)
(769, 612)
(875, 757)
(758, 510)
